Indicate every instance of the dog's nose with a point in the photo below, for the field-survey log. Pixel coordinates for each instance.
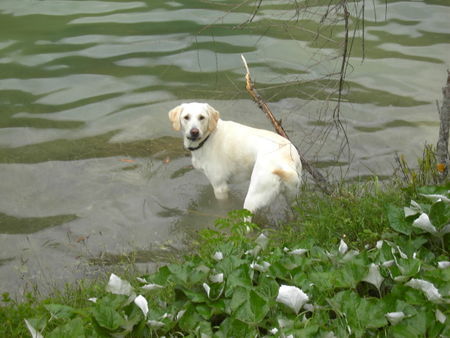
(195, 132)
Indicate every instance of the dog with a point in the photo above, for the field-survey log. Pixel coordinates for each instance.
(226, 151)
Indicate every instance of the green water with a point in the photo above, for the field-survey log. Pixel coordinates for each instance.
(89, 166)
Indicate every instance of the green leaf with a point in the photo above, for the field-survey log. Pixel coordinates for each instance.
(248, 306)
(415, 326)
(197, 295)
(60, 311)
(114, 301)
(371, 313)
(180, 273)
(440, 214)
(232, 327)
(350, 274)
(73, 329)
(267, 287)
(189, 321)
(238, 278)
(161, 276)
(107, 317)
(397, 220)
(361, 313)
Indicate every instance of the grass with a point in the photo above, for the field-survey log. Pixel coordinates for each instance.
(357, 213)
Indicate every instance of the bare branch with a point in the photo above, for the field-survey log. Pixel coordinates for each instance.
(317, 176)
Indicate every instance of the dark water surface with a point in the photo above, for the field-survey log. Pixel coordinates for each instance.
(90, 170)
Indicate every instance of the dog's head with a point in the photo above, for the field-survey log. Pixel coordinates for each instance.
(195, 120)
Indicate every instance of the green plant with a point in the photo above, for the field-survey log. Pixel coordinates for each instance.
(427, 171)
(248, 287)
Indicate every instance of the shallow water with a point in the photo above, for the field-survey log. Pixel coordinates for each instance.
(90, 170)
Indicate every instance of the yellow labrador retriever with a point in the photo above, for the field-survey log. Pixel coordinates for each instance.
(226, 150)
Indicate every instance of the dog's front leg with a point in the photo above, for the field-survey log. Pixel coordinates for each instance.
(220, 190)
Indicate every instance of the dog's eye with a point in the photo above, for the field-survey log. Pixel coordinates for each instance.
(186, 117)
(201, 117)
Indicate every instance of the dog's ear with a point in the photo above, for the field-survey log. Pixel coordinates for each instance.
(174, 117)
(213, 117)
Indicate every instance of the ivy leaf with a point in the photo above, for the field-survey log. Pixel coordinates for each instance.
(60, 311)
(73, 329)
(374, 276)
(397, 220)
(190, 318)
(248, 306)
(440, 214)
(107, 317)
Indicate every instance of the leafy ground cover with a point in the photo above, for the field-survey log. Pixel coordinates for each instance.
(365, 262)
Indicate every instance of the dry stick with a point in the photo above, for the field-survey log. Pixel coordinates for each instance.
(442, 144)
(317, 176)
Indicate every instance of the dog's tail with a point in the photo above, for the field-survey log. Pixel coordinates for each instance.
(290, 180)
(288, 175)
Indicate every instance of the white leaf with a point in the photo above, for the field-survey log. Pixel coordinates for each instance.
(142, 280)
(401, 278)
(34, 333)
(166, 315)
(445, 230)
(431, 292)
(119, 286)
(395, 317)
(349, 255)
(437, 197)
(151, 286)
(343, 247)
(297, 252)
(413, 209)
(443, 264)
(388, 264)
(141, 302)
(292, 297)
(379, 244)
(254, 252)
(93, 300)
(423, 222)
(218, 278)
(374, 276)
(218, 256)
(155, 323)
(285, 322)
(259, 267)
(180, 314)
(402, 254)
(207, 289)
(440, 317)
(309, 307)
(262, 241)
(274, 331)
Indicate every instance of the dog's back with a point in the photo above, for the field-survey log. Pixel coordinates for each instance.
(225, 150)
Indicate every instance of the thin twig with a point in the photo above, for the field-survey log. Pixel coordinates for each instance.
(317, 176)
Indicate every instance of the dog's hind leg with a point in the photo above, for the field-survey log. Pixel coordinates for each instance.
(264, 187)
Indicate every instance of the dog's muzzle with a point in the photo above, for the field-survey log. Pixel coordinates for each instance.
(194, 134)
